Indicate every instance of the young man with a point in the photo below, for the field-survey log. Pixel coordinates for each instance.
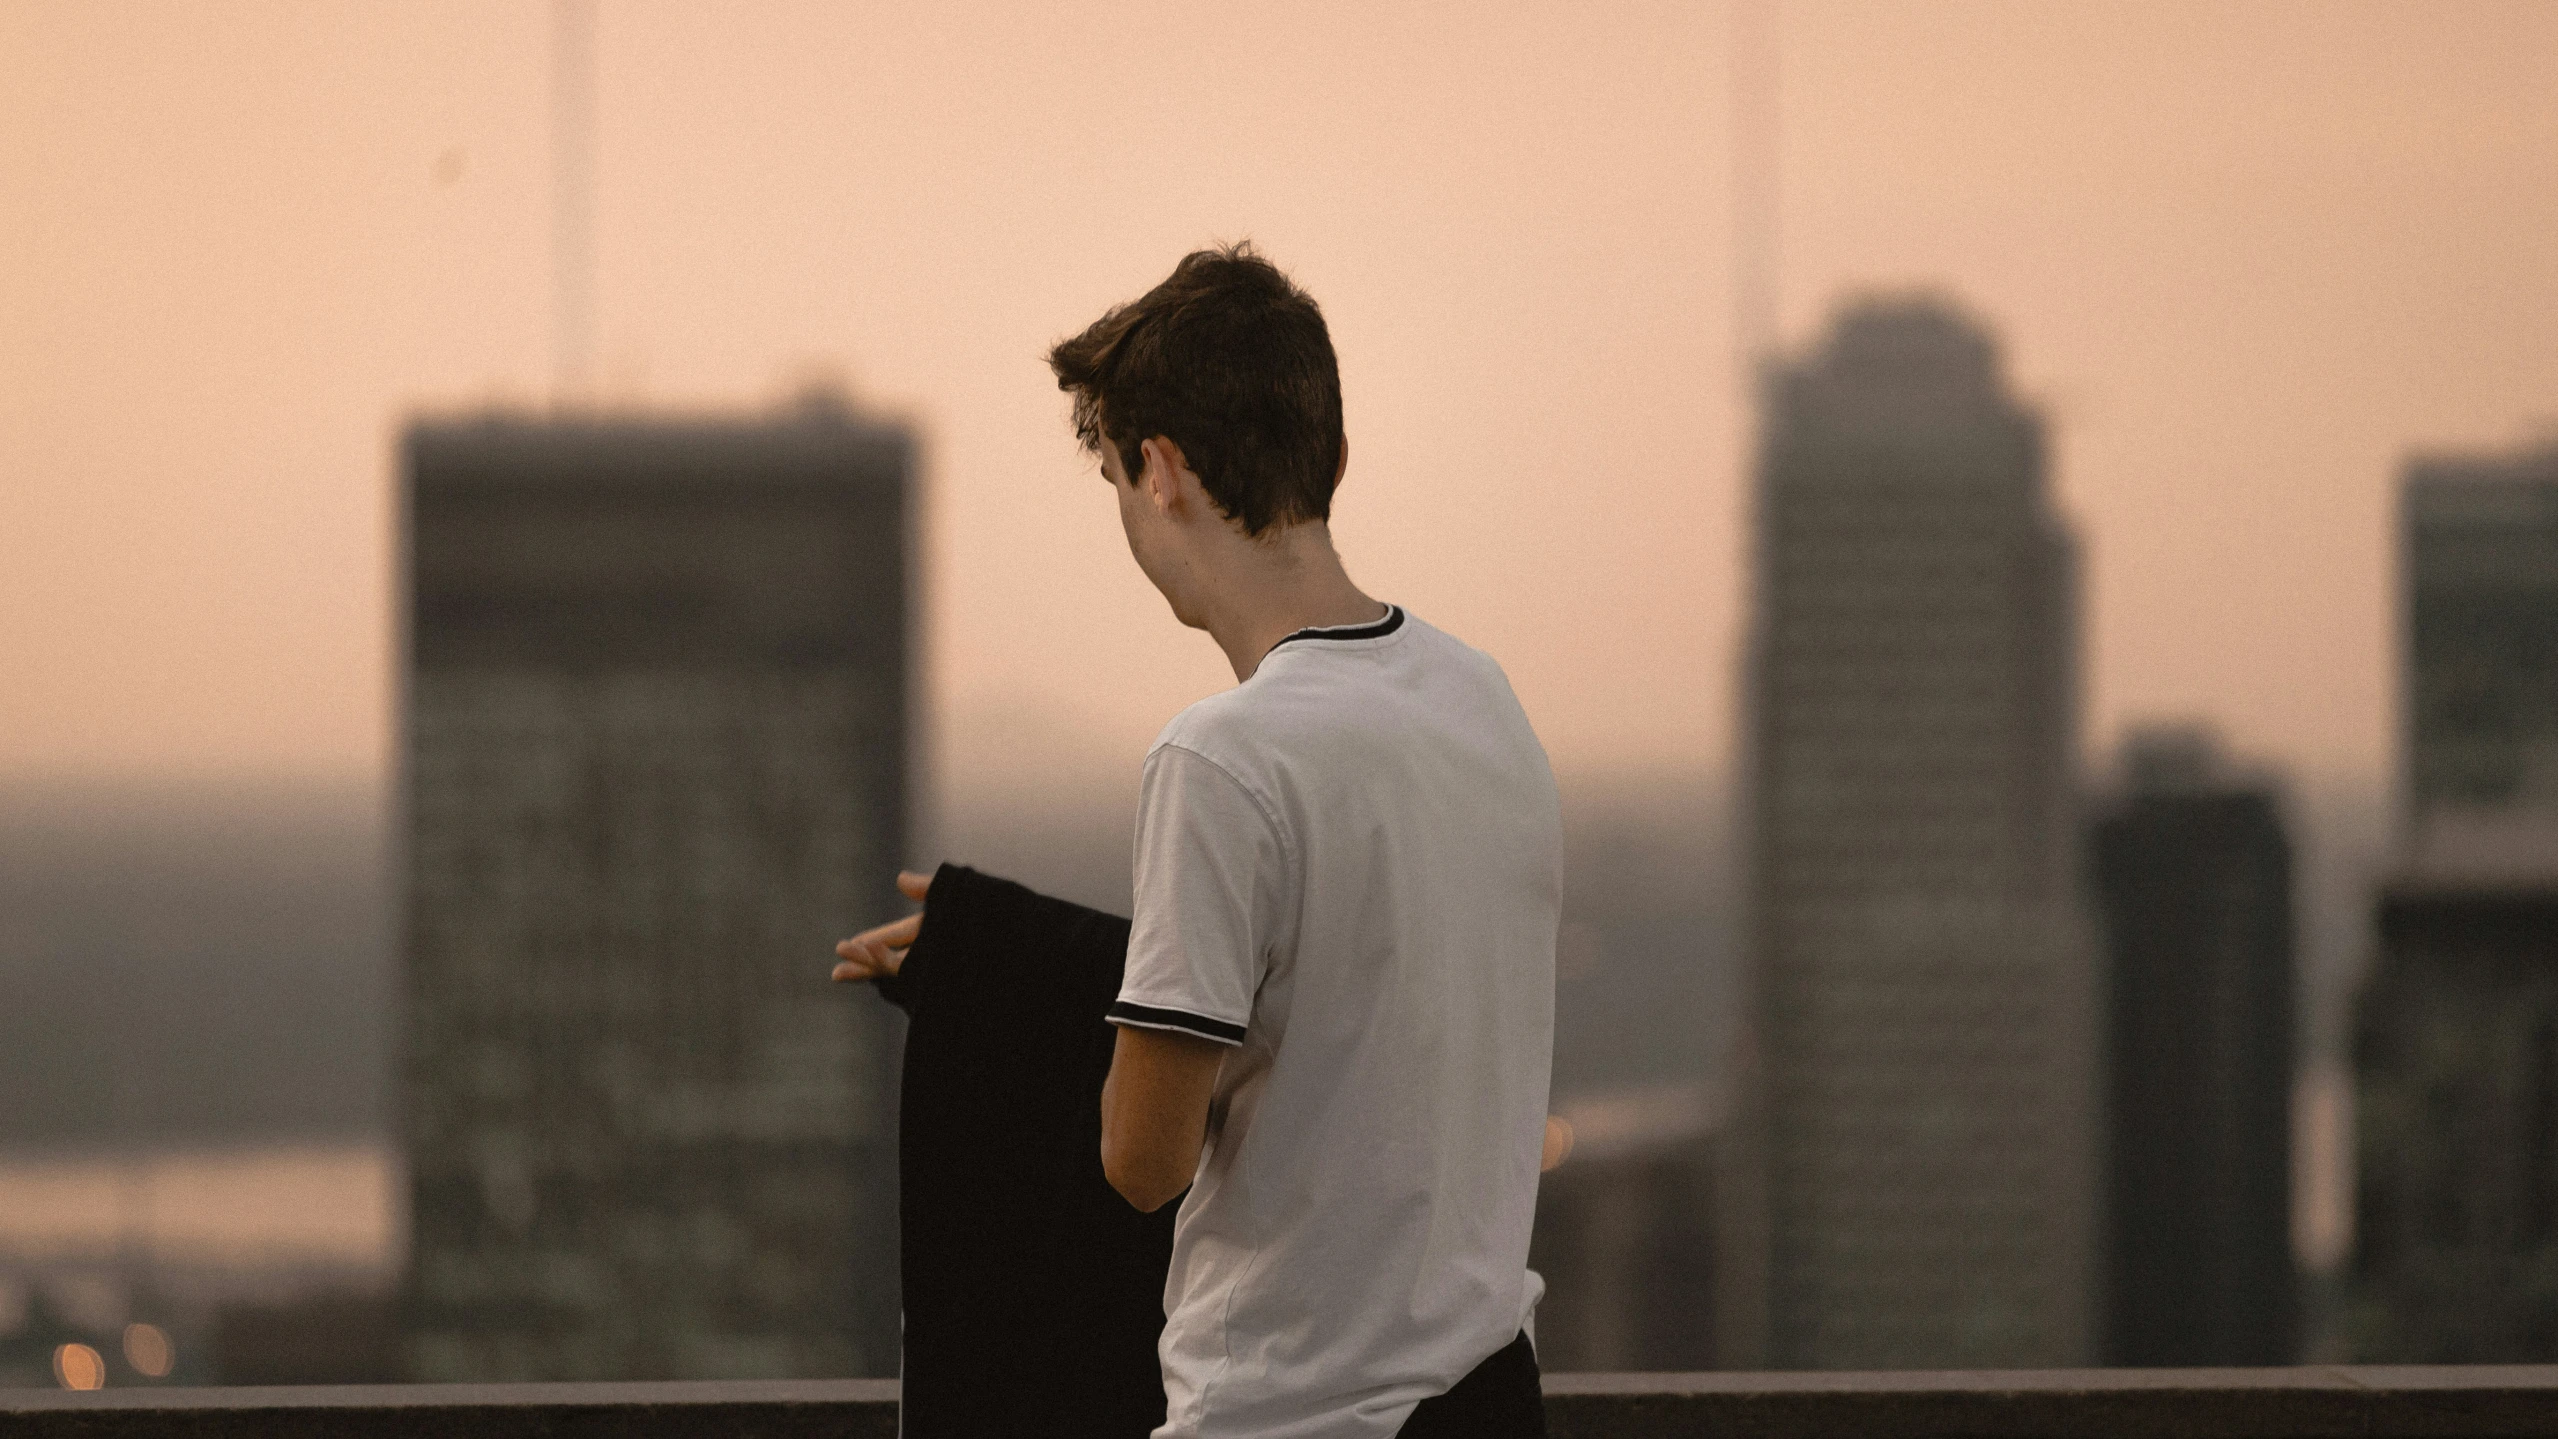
(1336, 1018)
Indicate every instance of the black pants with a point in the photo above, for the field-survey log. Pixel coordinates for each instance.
(1033, 1291)
(1500, 1399)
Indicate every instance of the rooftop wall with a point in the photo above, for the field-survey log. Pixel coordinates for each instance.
(2305, 1403)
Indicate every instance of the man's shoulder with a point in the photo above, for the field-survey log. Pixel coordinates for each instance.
(1225, 728)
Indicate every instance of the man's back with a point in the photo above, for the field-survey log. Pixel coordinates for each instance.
(1349, 867)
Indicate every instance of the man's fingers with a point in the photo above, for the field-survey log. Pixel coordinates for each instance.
(878, 951)
(896, 934)
(866, 958)
(875, 952)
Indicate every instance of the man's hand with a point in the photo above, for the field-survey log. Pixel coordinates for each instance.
(875, 952)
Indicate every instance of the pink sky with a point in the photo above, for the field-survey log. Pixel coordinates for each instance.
(2248, 255)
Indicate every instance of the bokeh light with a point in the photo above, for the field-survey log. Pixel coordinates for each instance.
(77, 1366)
(1558, 1143)
(147, 1348)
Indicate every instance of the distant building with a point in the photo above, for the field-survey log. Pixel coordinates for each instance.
(2193, 874)
(654, 766)
(332, 1336)
(2479, 565)
(1625, 1235)
(2456, 1041)
(1921, 1071)
(2456, 1076)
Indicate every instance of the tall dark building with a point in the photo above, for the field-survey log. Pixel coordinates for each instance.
(655, 759)
(1915, 1183)
(2456, 1041)
(2479, 557)
(2456, 1079)
(2193, 878)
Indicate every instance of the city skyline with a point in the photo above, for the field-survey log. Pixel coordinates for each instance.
(2261, 278)
(2248, 262)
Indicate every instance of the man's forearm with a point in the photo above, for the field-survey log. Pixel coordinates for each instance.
(1154, 1113)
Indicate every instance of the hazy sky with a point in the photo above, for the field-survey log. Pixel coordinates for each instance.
(2248, 256)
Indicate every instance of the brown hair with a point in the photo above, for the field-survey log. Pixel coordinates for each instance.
(1229, 360)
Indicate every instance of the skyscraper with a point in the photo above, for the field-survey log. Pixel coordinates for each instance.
(2456, 1037)
(2456, 1106)
(2478, 543)
(1921, 1064)
(654, 766)
(2193, 874)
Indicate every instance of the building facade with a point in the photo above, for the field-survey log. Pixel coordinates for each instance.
(2456, 1038)
(654, 765)
(1920, 1070)
(2456, 1110)
(2478, 544)
(1625, 1233)
(2192, 873)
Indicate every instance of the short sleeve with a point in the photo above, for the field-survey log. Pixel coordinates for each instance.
(1210, 872)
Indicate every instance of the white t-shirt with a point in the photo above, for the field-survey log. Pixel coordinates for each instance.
(1350, 868)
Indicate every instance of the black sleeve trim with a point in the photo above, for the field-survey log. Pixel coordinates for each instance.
(1147, 1016)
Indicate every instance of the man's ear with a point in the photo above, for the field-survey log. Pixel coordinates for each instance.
(1341, 466)
(1166, 472)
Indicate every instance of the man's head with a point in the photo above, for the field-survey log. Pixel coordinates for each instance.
(1232, 365)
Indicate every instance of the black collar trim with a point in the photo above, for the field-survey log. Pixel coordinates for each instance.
(1374, 629)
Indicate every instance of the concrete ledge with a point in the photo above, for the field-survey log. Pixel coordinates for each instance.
(2446, 1403)
(2309, 1403)
(734, 1409)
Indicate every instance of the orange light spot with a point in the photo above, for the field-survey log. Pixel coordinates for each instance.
(1558, 1143)
(77, 1366)
(149, 1349)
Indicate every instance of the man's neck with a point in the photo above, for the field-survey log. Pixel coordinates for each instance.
(1274, 589)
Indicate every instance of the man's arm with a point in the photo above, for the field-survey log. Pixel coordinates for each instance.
(1154, 1112)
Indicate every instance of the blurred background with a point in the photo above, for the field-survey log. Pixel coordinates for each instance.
(2030, 532)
